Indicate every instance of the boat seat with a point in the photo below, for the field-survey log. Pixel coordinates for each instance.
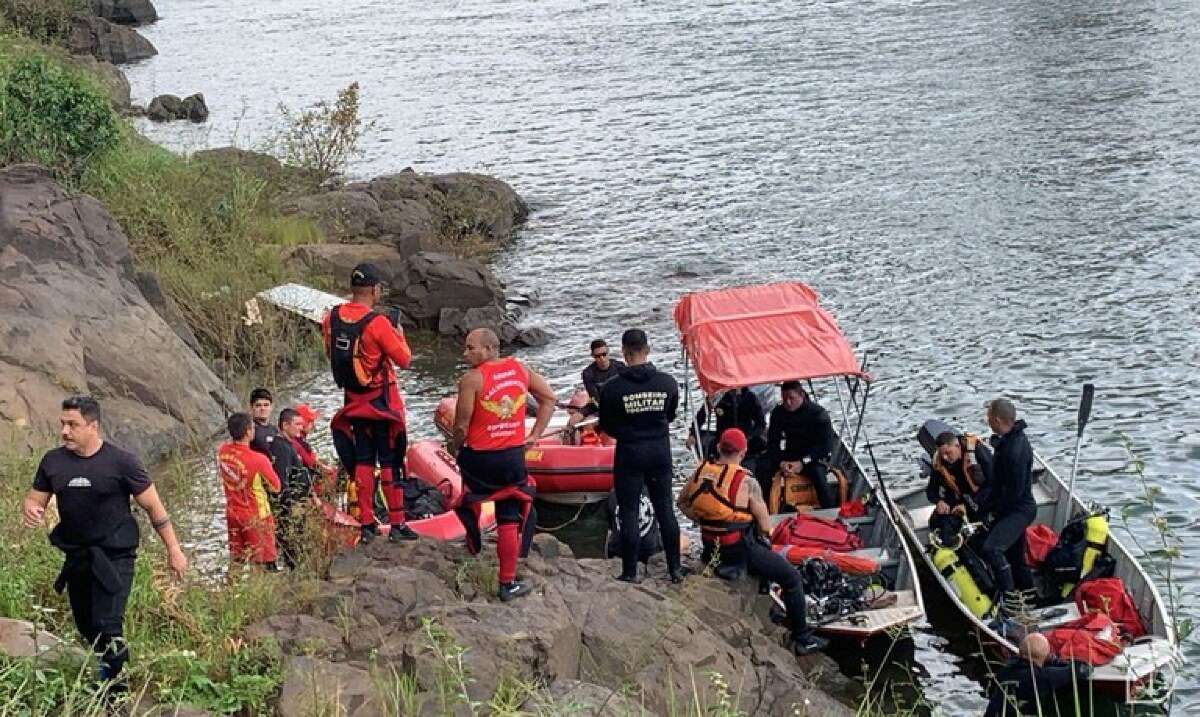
(921, 515)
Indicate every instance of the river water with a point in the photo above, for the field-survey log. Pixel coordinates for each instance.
(993, 198)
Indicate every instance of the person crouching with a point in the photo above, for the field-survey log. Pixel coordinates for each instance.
(247, 476)
(727, 503)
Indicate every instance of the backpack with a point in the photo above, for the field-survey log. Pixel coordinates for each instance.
(813, 532)
(1109, 596)
(1039, 541)
(422, 500)
(345, 346)
(1093, 639)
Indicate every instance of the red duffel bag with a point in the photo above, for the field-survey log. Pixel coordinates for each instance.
(1093, 639)
(1109, 596)
(812, 532)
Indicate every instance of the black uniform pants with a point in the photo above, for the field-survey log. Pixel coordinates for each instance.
(1004, 550)
(638, 466)
(760, 561)
(373, 446)
(818, 475)
(100, 612)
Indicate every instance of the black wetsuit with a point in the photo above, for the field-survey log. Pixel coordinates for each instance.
(754, 556)
(738, 408)
(806, 432)
(1007, 501)
(594, 379)
(1022, 689)
(295, 485)
(637, 408)
(264, 435)
(99, 537)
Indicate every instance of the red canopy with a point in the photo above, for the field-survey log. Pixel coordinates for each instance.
(771, 333)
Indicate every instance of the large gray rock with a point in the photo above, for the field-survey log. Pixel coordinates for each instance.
(433, 281)
(336, 261)
(103, 40)
(300, 635)
(165, 108)
(125, 12)
(315, 687)
(73, 320)
(21, 638)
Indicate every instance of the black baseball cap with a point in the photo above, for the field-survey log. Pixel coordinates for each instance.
(365, 274)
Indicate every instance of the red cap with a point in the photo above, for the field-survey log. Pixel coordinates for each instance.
(307, 413)
(732, 441)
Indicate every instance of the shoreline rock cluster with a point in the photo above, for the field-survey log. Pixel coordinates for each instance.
(590, 644)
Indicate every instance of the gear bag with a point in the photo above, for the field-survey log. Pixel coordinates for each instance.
(1092, 639)
(345, 351)
(1109, 596)
(813, 532)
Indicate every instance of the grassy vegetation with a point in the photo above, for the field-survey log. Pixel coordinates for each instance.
(42, 20)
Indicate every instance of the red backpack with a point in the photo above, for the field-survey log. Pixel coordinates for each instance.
(1039, 541)
(1109, 596)
(1093, 639)
(812, 532)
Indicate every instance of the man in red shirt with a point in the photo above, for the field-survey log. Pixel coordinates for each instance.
(247, 477)
(490, 440)
(363, 347)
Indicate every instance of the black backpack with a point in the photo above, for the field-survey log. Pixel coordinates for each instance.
(1065, 560)
(345, 340)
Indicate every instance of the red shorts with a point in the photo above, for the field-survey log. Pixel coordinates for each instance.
(252, 540)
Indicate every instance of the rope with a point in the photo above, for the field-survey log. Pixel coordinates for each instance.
(569, 522)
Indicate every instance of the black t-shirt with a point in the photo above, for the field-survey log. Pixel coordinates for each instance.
(93, 494)
(264, 435)
(594, 379)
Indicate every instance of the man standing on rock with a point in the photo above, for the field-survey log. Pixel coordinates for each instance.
(636, 408)
(93, 480)
(363, 346)
(489, 442)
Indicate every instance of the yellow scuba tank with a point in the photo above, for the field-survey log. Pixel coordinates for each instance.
(946, 561)
(1095, 530)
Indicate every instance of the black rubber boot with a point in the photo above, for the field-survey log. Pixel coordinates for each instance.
(401, 533)
(511, 591)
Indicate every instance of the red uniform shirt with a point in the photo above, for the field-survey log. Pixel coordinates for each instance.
(382, 344)
(498, 420)
(246, 475)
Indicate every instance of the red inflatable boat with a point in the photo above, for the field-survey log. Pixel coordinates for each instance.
(578, 472)
(428, 462)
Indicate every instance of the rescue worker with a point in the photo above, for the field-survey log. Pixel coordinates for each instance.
(636, 409)
(318, 468)
(247, 477)
(93, 480)
(736, 408)
(261, 403)
(1006, 501)
(600, 371)
(727, 503)
(962, 465)
(800, 431)
(295, 483)
(1026, 684)
(489, 442)
(369, 431)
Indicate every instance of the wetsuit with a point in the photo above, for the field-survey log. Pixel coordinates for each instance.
(369, 430)
(594, 379)
(1007, 501)
(247, 477)
(806, 432)
(99, 538)
(492, 459)
(636, 408)
(738, 408)
(264, 436)
(1024, 689)
(295, 485)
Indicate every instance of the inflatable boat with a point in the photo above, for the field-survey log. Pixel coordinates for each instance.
(429, 463)
(569, 465)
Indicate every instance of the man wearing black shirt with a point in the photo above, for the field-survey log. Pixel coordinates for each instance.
(295, 481)
(261, 402)
(601, 370)
(93, 481)
(1027, 683)
(737, 408)
(800, 430)
(1007, 502)
(636, 408)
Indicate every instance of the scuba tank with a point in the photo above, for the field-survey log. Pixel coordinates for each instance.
(945, 559)
(1095, 532)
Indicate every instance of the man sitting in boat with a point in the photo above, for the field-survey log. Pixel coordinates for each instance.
(961, 467)
(737, 408)
(799, 443)
(727, 503)
(1026, 685)
(1006, 502)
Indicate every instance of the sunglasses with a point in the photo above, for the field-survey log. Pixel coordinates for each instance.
(602, 354)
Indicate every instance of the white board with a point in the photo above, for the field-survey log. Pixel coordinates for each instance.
(303, 300)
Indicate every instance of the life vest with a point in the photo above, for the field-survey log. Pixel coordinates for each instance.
(1109, 596)
(848, 562)
(967, 443)
(1082, 541)
(795, 490)
(1040, 539)
(813, 532)
(345, 352)
(498, 421)
(1092, 639)
(712, 498)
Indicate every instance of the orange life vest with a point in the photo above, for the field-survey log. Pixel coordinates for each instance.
(498, 421)
(793, 488)
(712, 498)
(967, 443)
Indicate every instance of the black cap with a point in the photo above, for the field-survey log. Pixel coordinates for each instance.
(365, 274)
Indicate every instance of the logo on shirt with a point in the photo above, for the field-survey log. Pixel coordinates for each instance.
(645, 402)
(79, 482)
(505, 408)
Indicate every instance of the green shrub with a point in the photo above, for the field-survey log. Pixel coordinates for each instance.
(42, 20)
(51, 115)
(319, 141)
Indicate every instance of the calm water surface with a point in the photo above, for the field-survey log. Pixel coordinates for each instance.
(992, 197)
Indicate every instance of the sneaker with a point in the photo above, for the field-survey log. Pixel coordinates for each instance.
(513, 590)
(272, 568)
(368, 533)
(635, 579)
(401, 533)
(808, 644)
